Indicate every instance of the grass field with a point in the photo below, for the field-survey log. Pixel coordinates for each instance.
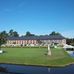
(35, 56)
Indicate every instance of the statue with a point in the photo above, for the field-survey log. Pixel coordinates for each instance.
(49, 51)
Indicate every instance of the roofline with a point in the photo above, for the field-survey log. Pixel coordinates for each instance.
(37, 38)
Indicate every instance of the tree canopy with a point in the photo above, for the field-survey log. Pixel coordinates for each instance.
(70, 41)
(55, 33)
(29, 34)
(13, 33)
(4, 33)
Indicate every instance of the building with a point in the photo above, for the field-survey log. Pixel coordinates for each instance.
(36, 40)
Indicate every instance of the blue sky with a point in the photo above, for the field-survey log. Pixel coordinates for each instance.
(38, 16)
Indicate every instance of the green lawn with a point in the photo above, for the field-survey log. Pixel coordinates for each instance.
(35, 56)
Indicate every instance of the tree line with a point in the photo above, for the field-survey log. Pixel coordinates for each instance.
(12, 33)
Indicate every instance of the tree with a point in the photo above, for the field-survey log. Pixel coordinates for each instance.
(70, 41)
(4, 33)
(29, 34)
(13, 33)
(55, 33)
(3, 39)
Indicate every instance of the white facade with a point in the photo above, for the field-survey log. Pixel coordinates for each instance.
(34, 42)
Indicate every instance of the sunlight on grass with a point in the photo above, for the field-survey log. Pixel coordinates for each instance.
(35, 56)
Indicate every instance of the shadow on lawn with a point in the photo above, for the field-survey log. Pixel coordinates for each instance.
(4, 51)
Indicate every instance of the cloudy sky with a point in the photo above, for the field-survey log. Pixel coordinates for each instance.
(38, 16)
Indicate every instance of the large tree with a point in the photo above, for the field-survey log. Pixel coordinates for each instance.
(10, 33)
(13, 33)
(29, 34)
(55, 33)
(4, 33)
(3, 39)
